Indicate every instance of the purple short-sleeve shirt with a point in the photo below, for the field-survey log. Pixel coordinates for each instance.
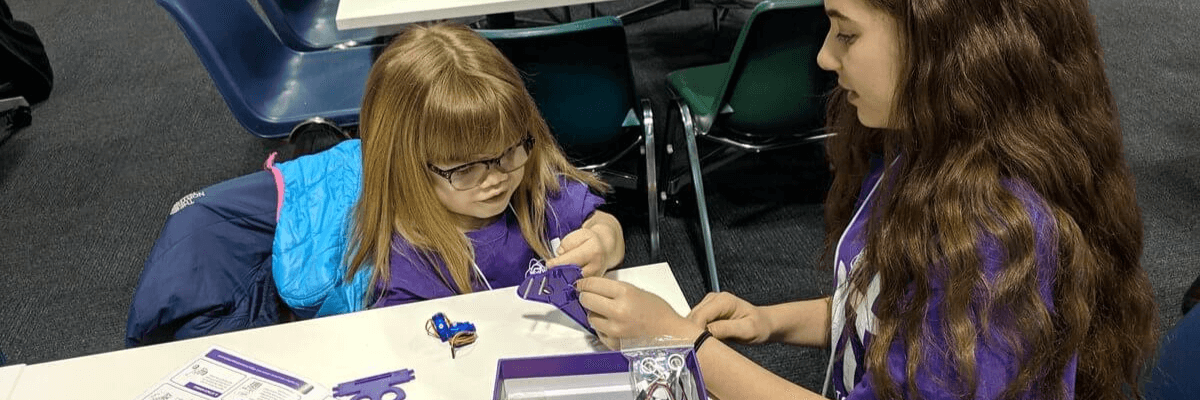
(995, 366)
(500, 250)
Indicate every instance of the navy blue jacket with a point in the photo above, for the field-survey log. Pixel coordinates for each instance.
(210, 269)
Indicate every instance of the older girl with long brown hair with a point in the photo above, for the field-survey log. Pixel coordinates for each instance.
(982, 223)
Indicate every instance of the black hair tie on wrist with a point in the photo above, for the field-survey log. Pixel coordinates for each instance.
(700, 340)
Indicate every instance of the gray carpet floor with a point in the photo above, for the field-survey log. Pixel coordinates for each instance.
(134, 123)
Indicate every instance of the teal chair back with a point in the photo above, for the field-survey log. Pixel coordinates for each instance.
(580, 75)
(774, 84)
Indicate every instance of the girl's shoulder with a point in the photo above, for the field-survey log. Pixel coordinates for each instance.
(573, 203)
(569, 190)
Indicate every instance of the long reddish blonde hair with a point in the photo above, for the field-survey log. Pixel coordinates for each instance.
(442, 93)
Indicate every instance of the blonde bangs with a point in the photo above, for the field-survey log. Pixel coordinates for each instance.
(473, 116)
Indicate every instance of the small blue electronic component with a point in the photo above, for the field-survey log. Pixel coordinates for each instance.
(446, 330)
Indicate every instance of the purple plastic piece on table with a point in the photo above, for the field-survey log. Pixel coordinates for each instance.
(557, 286)
(374, 387)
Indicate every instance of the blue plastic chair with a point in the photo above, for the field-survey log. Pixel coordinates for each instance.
(769, 95)
(1175, 372)
(580, 76)
(308, 25)
(271, 88)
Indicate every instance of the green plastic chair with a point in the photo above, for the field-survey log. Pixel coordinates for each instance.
(769, 95)
(581, 78)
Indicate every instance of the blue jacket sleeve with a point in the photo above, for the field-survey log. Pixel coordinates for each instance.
(210, 268)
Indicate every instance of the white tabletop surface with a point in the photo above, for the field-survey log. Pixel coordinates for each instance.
(8, 378)
(346, 347)
(353, 14)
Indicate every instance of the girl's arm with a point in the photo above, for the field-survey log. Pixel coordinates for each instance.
(618, 310)
(729, 375)
(596, 247)
(801, 323)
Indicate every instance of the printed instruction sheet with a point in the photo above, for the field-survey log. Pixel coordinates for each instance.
(221, 374)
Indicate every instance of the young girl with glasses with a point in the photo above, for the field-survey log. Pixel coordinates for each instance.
(463, 187)
(982, 223)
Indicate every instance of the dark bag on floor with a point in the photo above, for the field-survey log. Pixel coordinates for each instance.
(26, 71)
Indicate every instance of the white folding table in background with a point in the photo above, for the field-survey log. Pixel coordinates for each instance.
(352, 14)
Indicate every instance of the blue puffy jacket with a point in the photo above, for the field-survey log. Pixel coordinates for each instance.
(319, 192)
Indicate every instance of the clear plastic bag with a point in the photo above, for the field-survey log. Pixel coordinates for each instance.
(659, 368)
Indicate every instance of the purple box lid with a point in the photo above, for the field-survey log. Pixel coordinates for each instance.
(575, 364)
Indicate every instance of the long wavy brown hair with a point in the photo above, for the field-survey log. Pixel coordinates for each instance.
(994, 91)
(442, 93)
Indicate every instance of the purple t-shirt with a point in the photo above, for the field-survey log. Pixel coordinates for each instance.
(500, 250)
(994, 365)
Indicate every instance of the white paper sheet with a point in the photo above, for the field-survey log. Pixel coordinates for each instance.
(220, 374)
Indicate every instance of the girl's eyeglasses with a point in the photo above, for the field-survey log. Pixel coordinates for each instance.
(470, 175)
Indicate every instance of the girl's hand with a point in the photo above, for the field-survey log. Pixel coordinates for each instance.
(595, 247)
(618, 310)
(729, 317)
(581, 247)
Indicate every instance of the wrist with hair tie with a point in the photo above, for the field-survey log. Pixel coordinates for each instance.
(700, 340)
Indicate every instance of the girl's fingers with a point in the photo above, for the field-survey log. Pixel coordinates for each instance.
(596, 304)
(713, 307)
(601, 324)
(727, 329)
(602, 287)
(575, 239)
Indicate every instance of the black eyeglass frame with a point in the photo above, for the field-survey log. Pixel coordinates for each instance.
(490, 163)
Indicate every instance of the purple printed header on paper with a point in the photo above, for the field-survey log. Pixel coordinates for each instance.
(203, 390)
(255, 369)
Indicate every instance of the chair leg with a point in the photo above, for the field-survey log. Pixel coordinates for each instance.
(718, 13)
(650, 148)
(689, 134)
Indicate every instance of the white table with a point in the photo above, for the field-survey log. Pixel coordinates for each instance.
(8, 378)
(353, 14)
(346, 347)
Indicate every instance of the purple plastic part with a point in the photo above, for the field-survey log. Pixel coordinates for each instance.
(578, 364)
(557, 286)
(374, 387)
